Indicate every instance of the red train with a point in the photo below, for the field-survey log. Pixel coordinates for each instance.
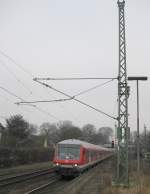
(73, 156)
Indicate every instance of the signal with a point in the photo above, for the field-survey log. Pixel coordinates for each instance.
(112, 143)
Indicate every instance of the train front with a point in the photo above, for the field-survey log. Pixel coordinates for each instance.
(67, 158)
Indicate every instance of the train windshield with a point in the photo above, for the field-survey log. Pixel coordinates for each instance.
(68, 152)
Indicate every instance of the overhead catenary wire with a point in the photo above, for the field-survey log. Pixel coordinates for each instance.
(7, 99)
(25, 71)
(85, 91)
(4, 97)
(93, 88)
(17, 64)
(67, 99)
(22, 68)
(81, 102)
(47, 113)
(13, 74)
(34, 106)
(11, 93)
(30, 74)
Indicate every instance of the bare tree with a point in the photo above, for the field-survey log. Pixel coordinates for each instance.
(68, 131)
(106, 133)
(17, 130)
(89, 132)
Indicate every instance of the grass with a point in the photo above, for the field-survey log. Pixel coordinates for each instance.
(137, 185)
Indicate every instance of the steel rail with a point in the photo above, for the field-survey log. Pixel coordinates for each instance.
(54, 180)
(22, 177)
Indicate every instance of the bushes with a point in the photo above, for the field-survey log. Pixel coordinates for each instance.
(12, 157)
(5, 157)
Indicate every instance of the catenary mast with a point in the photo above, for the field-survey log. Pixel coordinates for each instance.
(122, 131)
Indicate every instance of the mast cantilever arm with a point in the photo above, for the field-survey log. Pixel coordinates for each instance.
(73, 98)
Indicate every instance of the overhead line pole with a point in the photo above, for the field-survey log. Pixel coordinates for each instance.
(122, 131)
(137, 79)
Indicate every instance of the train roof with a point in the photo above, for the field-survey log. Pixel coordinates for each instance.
(82, 143)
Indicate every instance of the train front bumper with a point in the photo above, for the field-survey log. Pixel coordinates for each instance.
(67, 170)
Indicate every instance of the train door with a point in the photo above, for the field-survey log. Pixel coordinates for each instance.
(90, 155)
(86, 156)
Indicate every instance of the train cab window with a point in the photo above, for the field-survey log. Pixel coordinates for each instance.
(68, 152)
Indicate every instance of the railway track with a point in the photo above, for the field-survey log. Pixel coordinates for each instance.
(56, 185)
(52, 181)
(48, 182)
(23, 177)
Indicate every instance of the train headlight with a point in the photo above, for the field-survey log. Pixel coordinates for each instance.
(57, 164)
(75, 165)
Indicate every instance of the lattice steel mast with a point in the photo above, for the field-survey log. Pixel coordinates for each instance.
(122, 132)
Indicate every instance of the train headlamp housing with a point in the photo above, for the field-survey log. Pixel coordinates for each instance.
(75, 165)
(57, 164)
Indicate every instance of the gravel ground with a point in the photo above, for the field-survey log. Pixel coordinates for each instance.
(93, 181)
(100, 180)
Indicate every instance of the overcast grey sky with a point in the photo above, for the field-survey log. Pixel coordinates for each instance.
(66, 38)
